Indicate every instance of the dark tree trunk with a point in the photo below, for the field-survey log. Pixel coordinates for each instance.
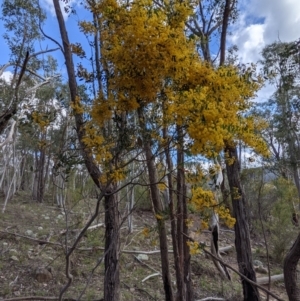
(178, 269)
(12, 110)
(112, 245)
(180, 221)
(290, 271)
(41, 175)
(186, 252)
(22, 171)
(163, 241)
(242, 233)
(39, 180)
(182, 218)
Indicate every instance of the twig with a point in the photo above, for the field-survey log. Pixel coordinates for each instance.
(43, 51)
(33, 239)
(150, 276)
(212, 299)
(79, 230)
(15, 281)
(140, 289)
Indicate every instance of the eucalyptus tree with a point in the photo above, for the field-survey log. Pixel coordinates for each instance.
(281, 64)
(21, 21)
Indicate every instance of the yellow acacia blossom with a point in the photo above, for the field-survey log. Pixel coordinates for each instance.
(194, 247)
(159, 216)
(204, 201)
(41, 119)
(77, 106)
(153, 64)
(146, 232)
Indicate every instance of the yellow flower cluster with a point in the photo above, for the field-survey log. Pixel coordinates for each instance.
(204, 202)
(224, 214)
(202, 199)
(151, 61)
(194, 247)
(40, 119)
(77, 49)
(77, 106)
(146, 232)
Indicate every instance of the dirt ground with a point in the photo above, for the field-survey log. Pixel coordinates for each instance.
(32, 260)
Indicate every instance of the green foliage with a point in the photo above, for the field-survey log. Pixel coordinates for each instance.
(21, 21)
(274, 203)
(281, 68)
(282, 230)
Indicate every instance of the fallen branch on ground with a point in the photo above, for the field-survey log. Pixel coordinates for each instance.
(265, 280)
(226, 249)
(40, 241)
(79, 230)
(150, 276)
(140, 289)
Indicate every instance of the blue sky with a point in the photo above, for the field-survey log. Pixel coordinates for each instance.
(261, 22)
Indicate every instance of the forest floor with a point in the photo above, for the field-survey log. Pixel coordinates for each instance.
(31, 267)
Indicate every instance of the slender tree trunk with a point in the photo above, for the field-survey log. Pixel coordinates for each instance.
(130, 207)
(162, 231)
(290, 271)
(178, 267)
(112, 246)
(22, 171)
(242, 233)
(182, 228)
(180, 222)
(40, 178)
(46, 177)
(186, 252)
(35, 177)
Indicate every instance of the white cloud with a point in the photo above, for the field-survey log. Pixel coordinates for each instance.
(48, 6)
(250, 41)
(262, 23)
(7, 76)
